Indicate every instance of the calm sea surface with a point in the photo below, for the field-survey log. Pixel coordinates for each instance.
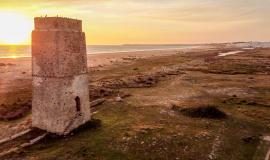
(13, 51)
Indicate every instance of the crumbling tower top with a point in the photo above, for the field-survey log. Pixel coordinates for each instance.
(58, 47)
(58, 23)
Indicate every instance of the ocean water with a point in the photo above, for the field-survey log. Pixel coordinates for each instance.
(15, 51)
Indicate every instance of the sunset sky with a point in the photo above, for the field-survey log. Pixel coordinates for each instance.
(144, 21)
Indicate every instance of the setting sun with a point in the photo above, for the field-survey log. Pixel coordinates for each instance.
(15, 29)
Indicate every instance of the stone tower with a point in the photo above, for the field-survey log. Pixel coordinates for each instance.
(60, 82)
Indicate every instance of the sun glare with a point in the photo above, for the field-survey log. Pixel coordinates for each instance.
(15, 28)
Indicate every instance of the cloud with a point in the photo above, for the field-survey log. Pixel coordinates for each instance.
(145, 19)
(175, 10)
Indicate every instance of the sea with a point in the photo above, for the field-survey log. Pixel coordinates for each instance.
(17, 51)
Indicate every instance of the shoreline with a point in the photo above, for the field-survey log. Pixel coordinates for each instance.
(116, 52)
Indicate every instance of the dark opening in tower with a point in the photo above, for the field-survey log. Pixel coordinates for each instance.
(78, 104)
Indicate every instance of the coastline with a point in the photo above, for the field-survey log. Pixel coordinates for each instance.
(13, 69)
(24, 51)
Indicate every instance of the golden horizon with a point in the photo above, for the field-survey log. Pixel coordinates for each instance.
(151, 22)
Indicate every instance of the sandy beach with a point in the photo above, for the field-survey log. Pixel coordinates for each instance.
(156, 88)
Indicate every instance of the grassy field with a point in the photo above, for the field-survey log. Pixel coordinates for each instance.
(150, 124)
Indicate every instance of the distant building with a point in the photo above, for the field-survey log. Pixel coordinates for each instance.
(60, 82)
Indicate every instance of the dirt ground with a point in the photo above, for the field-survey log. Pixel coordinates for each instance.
(148, 123)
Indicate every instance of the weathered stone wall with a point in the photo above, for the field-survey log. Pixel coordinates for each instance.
(59, 66)
(58, 53)
(54, 105)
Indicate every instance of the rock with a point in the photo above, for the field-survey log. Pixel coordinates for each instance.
(118, 99)
(249, 139)
(97, 102)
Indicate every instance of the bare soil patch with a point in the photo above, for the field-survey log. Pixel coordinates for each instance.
(211, 112)
(15, 111)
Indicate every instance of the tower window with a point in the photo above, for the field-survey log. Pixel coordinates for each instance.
(78, 104)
